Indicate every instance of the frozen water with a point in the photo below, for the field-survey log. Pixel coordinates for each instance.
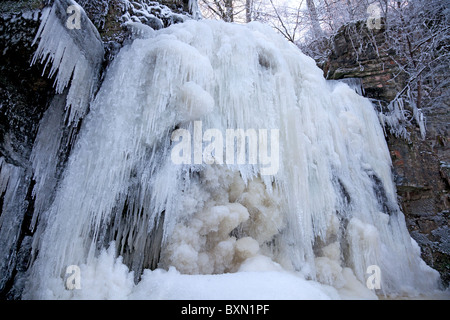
(314, 226)
(13, 191)
(75, 55)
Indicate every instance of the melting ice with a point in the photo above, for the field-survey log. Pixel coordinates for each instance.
(140, 226)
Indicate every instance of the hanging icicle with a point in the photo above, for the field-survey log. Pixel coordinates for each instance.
(70, 43)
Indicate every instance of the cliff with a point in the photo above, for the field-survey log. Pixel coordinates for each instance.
(420, 166)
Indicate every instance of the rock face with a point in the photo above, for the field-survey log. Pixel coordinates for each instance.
(23, 92)
(424, 193)
(107, 15)
(421, 167)
(372, 62)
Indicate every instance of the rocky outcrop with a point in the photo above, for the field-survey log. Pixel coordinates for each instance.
(357, 52)
(23, 91)
(421, 166)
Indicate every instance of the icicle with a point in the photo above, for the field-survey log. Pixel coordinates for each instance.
(194, 9)
(13, 191)
(395, 119)
(75, 53)
(354, 83)
(418, 116)
(45, 156)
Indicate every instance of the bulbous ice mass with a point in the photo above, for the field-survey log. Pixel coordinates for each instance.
(326, 215)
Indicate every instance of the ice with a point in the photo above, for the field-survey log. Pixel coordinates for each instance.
(258, 279)
(75, 55)
(354, 83)
(13, 192)
(45, 156)
(193, 102)
(225, 230)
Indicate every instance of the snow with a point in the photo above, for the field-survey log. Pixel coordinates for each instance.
(310, 230)
(259, 279)
(250, 285)
(155, 14)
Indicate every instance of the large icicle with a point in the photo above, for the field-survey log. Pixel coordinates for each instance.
(74, 52)
(47, 157)
(327, 213)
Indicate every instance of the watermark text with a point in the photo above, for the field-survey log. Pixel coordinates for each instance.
(73, 281)
(236, 146)
(374, 280)
(74, 20)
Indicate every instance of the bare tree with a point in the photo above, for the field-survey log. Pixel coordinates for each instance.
(317, 30)
(229, 14)
(229, 10)
(417, 39)
(248, 10)
(419, 32)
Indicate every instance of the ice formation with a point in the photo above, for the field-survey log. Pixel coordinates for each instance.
(46, 156)
(75, 54)
(13, 189)
(395, 118)
(142, 227)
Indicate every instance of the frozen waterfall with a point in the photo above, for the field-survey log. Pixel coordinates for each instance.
(216, 161)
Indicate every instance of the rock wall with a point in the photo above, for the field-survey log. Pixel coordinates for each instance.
(23, 91)
(357, 52)
(422, 166)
